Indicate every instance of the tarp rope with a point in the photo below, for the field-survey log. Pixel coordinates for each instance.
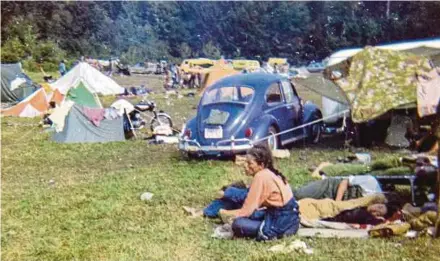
(302, 126)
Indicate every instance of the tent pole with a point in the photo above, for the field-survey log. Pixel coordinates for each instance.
(437, 133)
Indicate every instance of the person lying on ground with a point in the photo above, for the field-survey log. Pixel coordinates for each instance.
(339, 189)
(372, 215)
(232, 197)
(269, 188)
(372, 209)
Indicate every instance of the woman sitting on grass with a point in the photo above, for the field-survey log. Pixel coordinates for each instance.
(269, 189)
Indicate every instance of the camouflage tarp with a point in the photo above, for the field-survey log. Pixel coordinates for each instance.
(380, 80)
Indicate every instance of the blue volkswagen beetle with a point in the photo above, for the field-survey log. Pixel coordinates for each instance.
(241, 110)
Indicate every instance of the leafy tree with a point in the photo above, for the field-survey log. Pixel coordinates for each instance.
(211, 51)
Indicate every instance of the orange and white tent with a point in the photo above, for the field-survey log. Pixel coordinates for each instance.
(34, 105)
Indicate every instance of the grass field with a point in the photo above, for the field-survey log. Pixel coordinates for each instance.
(81, 201)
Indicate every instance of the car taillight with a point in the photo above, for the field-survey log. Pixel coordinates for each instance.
(187, 133)
(248, 132)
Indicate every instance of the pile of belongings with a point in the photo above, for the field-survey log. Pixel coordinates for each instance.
(134, 91)
(415, 221)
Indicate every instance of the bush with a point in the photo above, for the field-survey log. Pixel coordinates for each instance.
(30, 65)
(12, 51)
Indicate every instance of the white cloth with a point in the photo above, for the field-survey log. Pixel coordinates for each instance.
(121, 105)
(59, 115)
(17, 82)
(368, 183)
(428, 93)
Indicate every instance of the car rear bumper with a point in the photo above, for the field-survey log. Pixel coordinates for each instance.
(231, 146)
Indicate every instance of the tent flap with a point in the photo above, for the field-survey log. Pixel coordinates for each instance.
(81, 96)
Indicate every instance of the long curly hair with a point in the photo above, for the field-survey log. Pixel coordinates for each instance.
(263, 156)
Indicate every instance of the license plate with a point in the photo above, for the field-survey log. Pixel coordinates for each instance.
(214, 133)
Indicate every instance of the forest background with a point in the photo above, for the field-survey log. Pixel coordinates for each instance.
(46, 32)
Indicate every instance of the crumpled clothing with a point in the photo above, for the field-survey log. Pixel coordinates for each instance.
(95, 115)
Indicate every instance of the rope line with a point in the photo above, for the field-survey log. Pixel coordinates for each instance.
(302, 126)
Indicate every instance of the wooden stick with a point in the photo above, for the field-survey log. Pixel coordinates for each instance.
(437, 133)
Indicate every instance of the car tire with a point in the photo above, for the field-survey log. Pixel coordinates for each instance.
(315, 131)
(272, 142)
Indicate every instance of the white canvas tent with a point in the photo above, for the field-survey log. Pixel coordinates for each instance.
(343, 55)
(93, 79)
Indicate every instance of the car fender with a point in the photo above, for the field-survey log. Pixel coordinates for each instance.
(261, 125)
(192, 125)
(311, 112)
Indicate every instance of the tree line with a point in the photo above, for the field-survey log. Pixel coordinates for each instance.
(45, 32)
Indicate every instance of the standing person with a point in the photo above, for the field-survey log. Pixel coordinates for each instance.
(269, 189)
(62, 68)
(110, 66)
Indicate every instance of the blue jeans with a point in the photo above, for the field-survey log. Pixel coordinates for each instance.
(232, 199)
(275, 223)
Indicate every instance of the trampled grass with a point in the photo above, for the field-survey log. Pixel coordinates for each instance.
(81, 201)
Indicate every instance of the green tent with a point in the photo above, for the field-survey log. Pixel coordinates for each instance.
(82, 96)
(376, 80)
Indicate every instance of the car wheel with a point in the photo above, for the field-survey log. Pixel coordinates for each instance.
(272, 141)
(315, 133)
(315, 130)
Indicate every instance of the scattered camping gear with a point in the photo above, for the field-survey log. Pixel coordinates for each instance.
(16, 85)
(34, 105)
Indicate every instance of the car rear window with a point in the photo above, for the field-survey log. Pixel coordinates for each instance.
(228, 94)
